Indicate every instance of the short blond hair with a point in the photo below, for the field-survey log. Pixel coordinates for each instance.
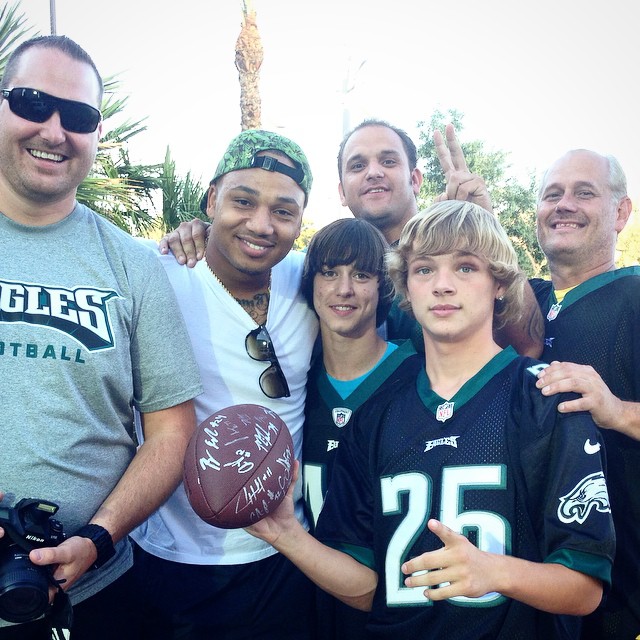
(453, 225)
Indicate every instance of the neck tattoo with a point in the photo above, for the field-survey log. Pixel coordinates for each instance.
(257, 307)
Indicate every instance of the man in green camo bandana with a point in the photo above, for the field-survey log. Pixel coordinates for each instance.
(242, 153)
(194, 579)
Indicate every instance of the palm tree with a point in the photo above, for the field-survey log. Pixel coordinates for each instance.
(12, 30)
(249, 56)
(180, 197)
(117, 189)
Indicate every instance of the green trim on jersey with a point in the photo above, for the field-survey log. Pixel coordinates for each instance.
(588, 563)
(371, 382)
(470, 388)
(589, 286)
(363, 555)
(346, 387)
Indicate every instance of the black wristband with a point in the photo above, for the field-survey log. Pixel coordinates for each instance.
(101, 538)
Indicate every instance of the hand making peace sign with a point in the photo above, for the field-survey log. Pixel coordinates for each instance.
(461, 183)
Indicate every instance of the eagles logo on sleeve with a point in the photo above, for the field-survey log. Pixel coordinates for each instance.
(590, 493)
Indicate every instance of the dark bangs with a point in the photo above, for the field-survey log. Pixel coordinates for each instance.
(343, 242)
(347, 241)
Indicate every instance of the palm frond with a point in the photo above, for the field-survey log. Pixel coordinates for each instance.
(180, 196)
(12, 30)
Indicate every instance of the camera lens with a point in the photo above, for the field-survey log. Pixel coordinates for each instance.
(24, 587)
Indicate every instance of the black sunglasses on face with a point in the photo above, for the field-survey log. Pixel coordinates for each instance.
(37, 106)
(259, 347)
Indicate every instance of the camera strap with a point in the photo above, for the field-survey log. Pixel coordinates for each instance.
(61, 614)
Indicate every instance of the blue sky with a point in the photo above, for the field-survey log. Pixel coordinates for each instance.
(533, 79)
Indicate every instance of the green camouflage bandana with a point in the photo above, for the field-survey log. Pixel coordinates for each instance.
(241, 154)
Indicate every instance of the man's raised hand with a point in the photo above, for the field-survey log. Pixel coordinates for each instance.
(461, 183)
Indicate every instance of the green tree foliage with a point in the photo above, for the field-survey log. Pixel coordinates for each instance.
(12, 31)
(117, 189)
(180, 197)
(306, 233)
(628, 246)
(513, 202)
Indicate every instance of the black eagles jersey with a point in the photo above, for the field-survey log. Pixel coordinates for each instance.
(598, 323)
(327, 418)
(496, 463)
(327, 415)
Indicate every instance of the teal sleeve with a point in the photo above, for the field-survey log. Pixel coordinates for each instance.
(595, 566)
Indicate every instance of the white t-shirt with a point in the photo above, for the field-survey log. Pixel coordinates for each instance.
(218, 327)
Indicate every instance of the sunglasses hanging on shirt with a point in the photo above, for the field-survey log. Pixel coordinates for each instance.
(260, 347)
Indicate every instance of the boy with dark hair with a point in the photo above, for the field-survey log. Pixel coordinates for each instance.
(346, 283)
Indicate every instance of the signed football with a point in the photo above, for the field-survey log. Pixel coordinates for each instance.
(238, 465)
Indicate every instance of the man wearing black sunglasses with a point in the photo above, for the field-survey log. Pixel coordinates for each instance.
(38, 106)
(253, 335)
(81, 346)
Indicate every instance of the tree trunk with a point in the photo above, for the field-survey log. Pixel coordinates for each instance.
(248, 61)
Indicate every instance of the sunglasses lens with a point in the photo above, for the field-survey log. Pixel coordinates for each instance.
(79, 118)
(37, 106)
(258, 344)
(273, 383)
(28, 104)
(259, 347)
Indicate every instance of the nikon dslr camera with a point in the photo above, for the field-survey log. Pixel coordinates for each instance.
(24, 586)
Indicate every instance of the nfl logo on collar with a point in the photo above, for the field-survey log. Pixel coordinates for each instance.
(444, 411)
(341, 416)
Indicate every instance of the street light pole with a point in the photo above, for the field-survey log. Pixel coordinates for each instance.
(348, 86)
(52, 16)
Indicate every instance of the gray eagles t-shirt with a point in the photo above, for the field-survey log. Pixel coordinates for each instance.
(89, 329)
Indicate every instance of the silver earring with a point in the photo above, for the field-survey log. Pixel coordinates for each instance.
(500, 298)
